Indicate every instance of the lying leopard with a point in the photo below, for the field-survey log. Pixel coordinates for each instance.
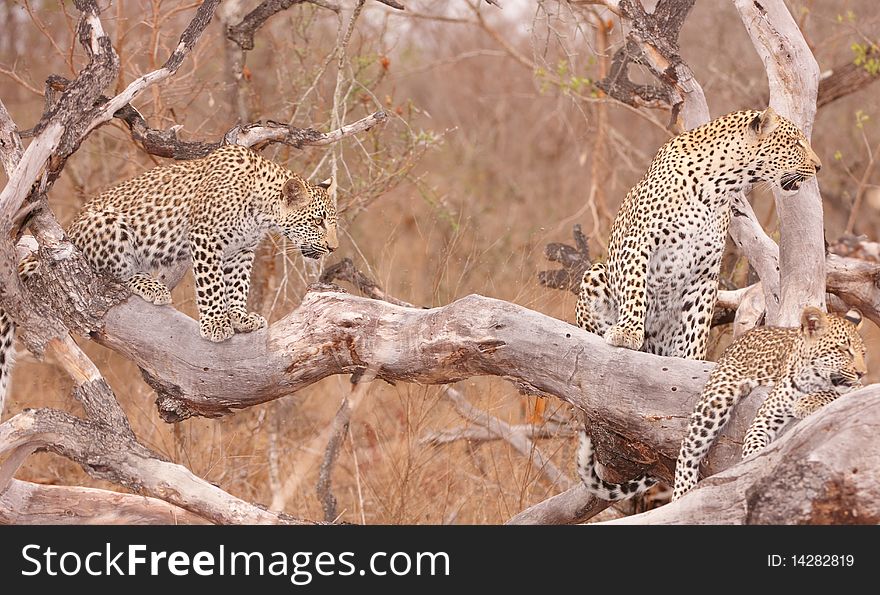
(211, 212)
(657, 288)
(807, 368)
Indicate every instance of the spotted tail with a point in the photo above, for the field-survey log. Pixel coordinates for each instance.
(604, 490)
(27, 267)
(7, 336)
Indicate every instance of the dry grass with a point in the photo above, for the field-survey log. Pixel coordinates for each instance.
(489, 161)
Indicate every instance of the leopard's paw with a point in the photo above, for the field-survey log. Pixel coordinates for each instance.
(619, 336)
(151, 290)
(216, 328)
(159, 296)
(246, 322)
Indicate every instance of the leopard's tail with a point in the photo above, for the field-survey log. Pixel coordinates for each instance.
(27, 267)
(605, 490)
(7, 337)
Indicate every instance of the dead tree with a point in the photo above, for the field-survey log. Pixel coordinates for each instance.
(638, 402)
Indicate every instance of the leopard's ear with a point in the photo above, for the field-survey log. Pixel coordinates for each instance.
(814, 322)
(295, 193)
(329, 185)
(765, 122)
(855, 317)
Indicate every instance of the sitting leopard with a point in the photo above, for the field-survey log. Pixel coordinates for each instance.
(657, 289)
(212, 212)
(808, 367)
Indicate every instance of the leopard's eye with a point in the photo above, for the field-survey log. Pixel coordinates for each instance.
(318, 220)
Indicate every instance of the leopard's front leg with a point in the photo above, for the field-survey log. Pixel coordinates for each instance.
(810, 404)
(237, 275)
(776, 411)
(214, 322)
(631, 289)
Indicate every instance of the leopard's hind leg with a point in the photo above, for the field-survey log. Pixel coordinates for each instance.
(108, 242)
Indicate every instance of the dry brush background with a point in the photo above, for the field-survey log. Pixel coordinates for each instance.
(497, 142)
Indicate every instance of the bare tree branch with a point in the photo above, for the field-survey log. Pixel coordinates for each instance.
(243, 33)
(10, 141)
(763, 256)
(339, 428)
(334, 333)
(26, 503)
(337, 431)
(575, 260)
(652, 41)
(547, 429)
(518, 440)
(574, 505)
(344, 270)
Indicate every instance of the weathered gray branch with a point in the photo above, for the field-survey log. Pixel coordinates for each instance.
(336, 333)
(165, 143)
(26, 503)
(761, 251)
(824, 470)
(575, 505)
(10, 141)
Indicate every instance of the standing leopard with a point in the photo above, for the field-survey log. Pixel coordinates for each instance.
(807, 368)
(212, 212)
(657, 288)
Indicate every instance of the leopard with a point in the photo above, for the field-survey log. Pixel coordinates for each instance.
(656, 289)
(805, 367)
(210, 213)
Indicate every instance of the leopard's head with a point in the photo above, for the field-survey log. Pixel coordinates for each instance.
(781, 154)
(307, 216)
(833, 357)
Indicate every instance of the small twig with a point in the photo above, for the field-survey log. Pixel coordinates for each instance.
(547, 429)
(338, 430)
(345, 270)
(297, 474)
(518, 440)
